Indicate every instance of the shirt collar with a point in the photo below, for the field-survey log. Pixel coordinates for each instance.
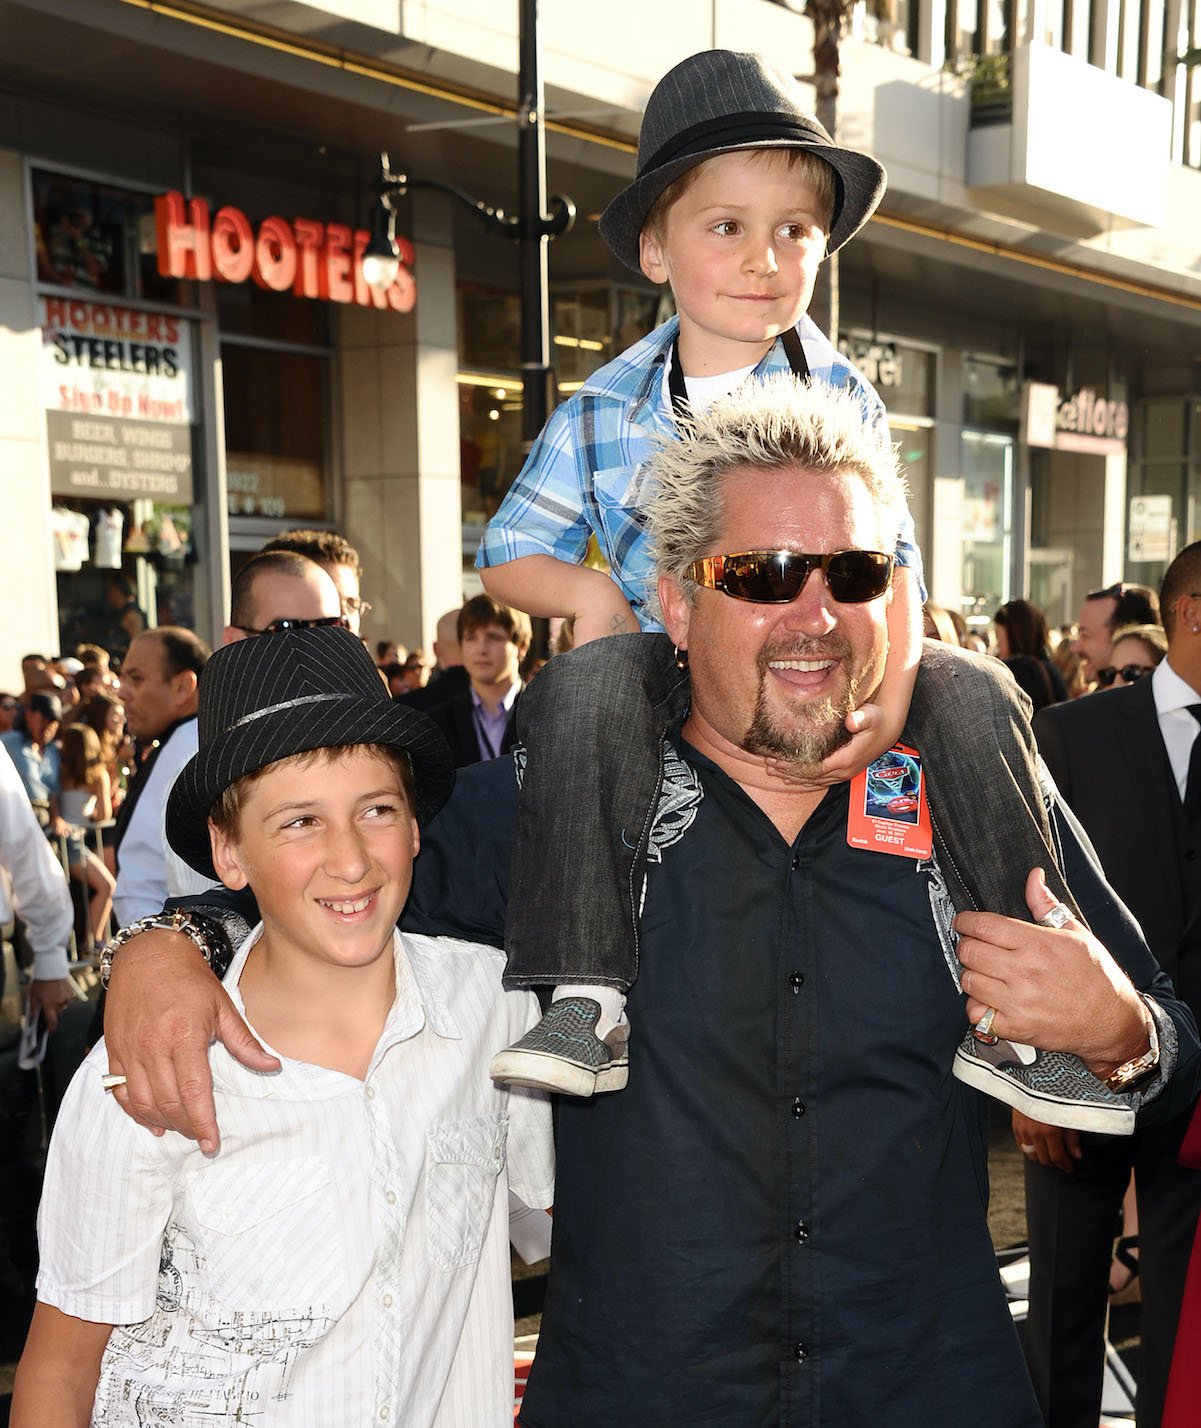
(1169, 690)
(652, 354)
(419, 999)
(506, 704)
(641, 381)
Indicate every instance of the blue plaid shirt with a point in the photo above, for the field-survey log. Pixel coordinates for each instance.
(585, 473)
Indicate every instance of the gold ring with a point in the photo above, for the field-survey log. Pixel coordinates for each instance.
(111, 1082)
(984, 1025)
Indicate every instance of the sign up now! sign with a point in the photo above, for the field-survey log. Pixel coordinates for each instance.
(117, 391)
(299, 255)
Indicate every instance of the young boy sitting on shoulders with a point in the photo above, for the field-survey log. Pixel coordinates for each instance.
(343, 1258)
(740, 195)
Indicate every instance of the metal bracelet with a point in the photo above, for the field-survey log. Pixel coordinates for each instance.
(178, 921)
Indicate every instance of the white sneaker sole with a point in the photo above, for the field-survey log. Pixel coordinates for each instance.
(541, 1072)
(1042, 1106)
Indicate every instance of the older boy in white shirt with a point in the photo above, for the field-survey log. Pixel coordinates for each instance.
(343, 1258)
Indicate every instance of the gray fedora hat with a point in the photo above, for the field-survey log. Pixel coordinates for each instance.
(275, 695)
(718, 102)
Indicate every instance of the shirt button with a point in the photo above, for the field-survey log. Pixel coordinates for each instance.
(796, 981)
(802, 1353)
(384, 1412)
(796, 862)
(798, 1107)
(386, 1301)
(801, 1232)
(370, 1093)
(391, 1197)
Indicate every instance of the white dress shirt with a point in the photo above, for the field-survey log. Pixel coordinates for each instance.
(32, 881)
(1176, 724)
(344, 1258)
(149, 871)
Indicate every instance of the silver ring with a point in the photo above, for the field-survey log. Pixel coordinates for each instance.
(111, 1082)
(1027, 1150)
(984, 1025)
(1059, 916)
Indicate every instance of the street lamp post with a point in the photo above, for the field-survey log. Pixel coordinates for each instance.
(531, 228)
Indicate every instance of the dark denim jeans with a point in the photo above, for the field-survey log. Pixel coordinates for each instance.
(593, 724)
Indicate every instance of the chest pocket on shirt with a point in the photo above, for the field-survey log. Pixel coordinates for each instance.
(618, 490)
(463, 1159)
(268, 1233)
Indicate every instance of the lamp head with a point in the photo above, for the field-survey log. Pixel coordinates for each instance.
(381, 257)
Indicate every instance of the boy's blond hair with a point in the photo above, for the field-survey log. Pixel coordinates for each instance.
(802, 162)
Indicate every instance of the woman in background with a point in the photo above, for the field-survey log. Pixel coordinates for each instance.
(85, 798)
(105, 715)
(1024, 646)
(1137, 649)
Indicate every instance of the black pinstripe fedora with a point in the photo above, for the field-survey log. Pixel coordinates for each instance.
(718, 102)
(267, 698)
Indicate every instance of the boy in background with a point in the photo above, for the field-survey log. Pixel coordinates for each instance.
(343, 1257)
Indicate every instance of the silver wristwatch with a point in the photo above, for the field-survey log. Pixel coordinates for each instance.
(178, 921)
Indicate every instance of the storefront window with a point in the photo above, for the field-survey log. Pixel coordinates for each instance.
(1165, 485)
(582, 339)
(119, 390)
(592, 325)
(276, 405)
(490, 446)
(991, 393)
(98, 238)
(489, 329)
(589, 325)
(987, 506)
(904, 377)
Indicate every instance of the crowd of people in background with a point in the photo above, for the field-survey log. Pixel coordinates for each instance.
(66, 728)
(1117, 638)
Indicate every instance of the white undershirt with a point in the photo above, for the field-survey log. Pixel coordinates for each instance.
(704, 390)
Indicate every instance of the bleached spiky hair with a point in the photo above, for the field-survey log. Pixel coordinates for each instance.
(783, 421)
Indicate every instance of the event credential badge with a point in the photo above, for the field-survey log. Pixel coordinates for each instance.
(888, 811)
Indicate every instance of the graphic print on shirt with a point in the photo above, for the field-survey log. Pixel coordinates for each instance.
(942, 912)
(207, 1365)
(679, 799)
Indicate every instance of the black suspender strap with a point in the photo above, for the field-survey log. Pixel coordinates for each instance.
(793, 350)
(675, 383)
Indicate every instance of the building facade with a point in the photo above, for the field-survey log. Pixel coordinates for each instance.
(192, 362)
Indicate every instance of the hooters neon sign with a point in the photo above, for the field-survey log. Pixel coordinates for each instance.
(302, 256)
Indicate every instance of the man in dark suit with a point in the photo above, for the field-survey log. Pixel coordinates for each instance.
(479, 723)
(1121, 759)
